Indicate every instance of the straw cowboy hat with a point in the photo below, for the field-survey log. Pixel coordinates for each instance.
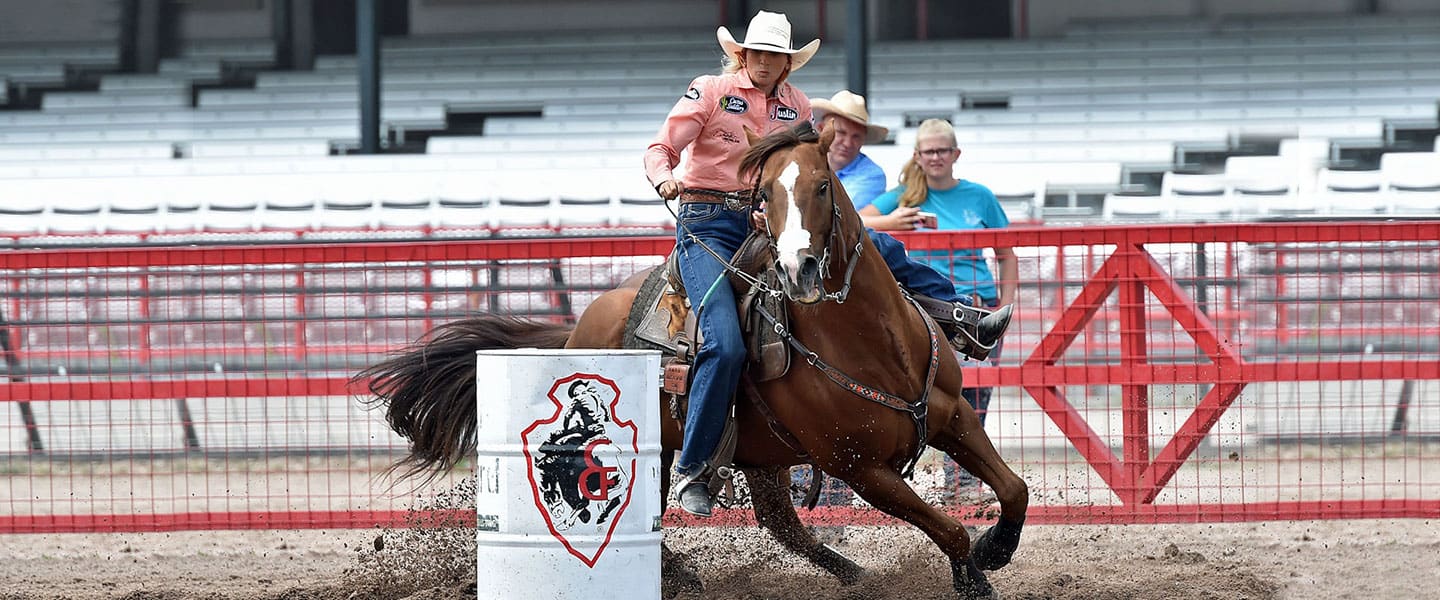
(769, 32)
(850, 105)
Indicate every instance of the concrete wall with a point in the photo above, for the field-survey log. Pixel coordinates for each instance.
(224, 19)
(1409, 6)
(1047, 18)
(429, 17)
(59, 21)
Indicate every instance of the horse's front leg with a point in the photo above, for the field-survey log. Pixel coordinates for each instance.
(770, 495)
(884, 489)
(964, 439)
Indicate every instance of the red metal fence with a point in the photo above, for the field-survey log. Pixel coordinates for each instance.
(1157, 373)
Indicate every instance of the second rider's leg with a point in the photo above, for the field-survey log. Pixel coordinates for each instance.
(973, 331)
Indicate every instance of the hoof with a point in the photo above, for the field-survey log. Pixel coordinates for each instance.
(970, 582)
(997, 545)
(837, 564)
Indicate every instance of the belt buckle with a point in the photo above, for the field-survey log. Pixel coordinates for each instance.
(736, 203)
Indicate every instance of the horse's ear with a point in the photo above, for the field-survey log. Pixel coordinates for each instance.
(827, 135)
(750, 136)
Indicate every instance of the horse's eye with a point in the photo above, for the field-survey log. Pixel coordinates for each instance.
(824, 187)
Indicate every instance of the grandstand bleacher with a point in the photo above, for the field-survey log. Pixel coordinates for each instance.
(1086, 115)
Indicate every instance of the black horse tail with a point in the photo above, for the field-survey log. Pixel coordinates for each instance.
(429, 387)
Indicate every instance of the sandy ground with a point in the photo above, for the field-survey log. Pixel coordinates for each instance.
(1284, 560)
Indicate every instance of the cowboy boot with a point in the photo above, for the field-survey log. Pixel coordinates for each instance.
(975, 331)
(694, 495)
(972, 331)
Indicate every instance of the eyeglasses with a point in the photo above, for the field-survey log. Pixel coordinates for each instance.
(936, 152)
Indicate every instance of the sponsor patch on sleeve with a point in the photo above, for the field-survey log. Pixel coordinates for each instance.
(692, 94)
(734, 104)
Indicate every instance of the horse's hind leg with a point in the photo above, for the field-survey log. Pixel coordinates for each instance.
(886, 490)
(770, 495)
(972, 449)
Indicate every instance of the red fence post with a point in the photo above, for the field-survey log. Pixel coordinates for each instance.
(1134, 355)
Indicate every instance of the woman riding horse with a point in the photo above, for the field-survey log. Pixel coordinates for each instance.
(862, 416)
(711, 121)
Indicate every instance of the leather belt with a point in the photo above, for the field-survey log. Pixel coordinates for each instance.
(736, 201)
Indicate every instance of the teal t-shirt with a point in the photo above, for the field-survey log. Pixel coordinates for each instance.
(968, 205)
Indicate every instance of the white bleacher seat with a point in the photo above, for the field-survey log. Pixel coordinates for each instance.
(1412, 182)
(524, 214)
(406, 203)
(257, 148)
(1022, 199)
(643, 213)
(11, 153)
(1127, 207)
(1269, 185)
(229, 203)
(181, 205)
(287, 203)
(585, 212)
(472, 214)
(134, 205)
(22, 210)
(1192, 197)
(88, 101)
(1358, 193)
(76, 205)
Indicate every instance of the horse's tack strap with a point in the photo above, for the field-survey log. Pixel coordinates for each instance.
(776, 427)
(918, 410)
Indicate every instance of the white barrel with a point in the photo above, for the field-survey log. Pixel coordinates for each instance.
(568, 474)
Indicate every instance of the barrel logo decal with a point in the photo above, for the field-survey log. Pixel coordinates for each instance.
(581, 463)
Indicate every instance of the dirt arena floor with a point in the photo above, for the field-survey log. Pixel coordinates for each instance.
(1285, 560)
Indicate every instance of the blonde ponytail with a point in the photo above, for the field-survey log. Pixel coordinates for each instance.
(912, 178)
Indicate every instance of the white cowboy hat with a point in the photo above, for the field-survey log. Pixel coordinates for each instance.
(769, 32)
(849, 105)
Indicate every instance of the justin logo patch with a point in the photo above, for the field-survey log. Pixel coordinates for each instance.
(582, 460)
(784, 113)
(692, 94)
(734, 105)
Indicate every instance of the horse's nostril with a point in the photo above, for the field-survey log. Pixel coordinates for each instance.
(809, 267)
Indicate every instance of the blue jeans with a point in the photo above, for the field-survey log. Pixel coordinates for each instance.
(722, 355)
(916, 276)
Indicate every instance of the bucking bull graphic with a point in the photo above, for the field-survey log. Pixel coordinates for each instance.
(583, 475)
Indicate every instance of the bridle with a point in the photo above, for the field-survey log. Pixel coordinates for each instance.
(759, 195)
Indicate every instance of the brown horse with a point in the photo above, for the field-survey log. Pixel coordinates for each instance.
(876, 386)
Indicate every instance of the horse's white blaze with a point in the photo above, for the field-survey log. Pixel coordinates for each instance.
(793, 237)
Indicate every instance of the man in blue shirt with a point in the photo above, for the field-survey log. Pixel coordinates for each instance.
(845, 113)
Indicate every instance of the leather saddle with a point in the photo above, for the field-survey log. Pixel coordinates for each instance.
(661, 319)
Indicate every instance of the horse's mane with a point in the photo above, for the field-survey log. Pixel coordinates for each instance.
(803, 133)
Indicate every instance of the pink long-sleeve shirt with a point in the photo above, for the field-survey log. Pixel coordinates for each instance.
(710, 119)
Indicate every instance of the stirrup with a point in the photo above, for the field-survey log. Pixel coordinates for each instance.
(977, 331)
(694, 494)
